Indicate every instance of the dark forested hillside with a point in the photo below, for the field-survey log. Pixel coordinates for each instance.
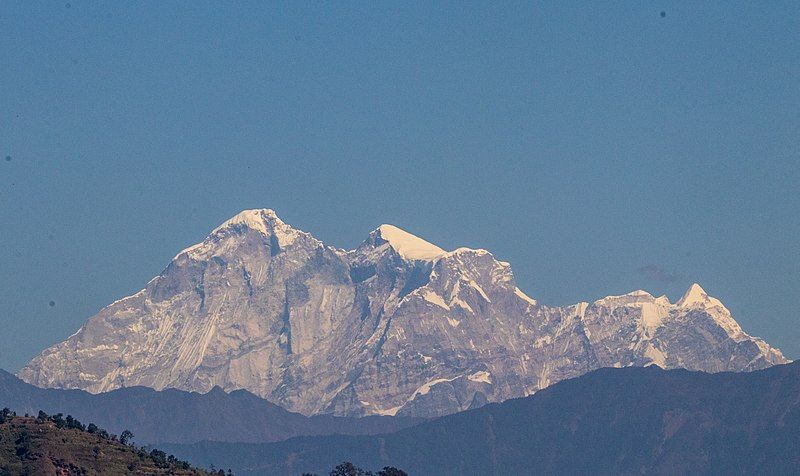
(55, 446)
(611, 421)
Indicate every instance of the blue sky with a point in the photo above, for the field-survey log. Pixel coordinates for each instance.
(599, 147)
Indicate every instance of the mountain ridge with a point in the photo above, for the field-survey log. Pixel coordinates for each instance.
(176, 416)
(394, 326)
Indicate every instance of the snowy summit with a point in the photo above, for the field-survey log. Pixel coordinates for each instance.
(697, 297)
(409, 246)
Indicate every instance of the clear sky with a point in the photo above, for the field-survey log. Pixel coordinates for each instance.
(600, 147)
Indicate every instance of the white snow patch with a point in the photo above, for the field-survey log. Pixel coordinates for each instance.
(188, 250)
(100, 348)
(434, 298)
(475, 286)
(655, 355)
(524, 297)
(409, 246)
(652, 315)
(426, 387)
(389, 411)
(456, 301)
(663, 300)
(453, 322)
(631, 297)
(421, 390)
(481, 376)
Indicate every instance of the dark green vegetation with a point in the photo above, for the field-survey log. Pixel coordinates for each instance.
(175, 416)
(349, 469)
(46, 445)
(610, 421)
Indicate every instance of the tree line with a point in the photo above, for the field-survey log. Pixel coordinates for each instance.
(159, 458)
(162, 459)
(349, 469)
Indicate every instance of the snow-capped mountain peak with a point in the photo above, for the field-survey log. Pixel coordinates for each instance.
(259, 219)
(408, 246)
(263, 221)
(397, 326)
(696, 296)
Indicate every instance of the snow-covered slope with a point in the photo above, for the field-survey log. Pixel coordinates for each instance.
(396, 326)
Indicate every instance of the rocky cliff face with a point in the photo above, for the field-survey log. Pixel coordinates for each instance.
(396, 326)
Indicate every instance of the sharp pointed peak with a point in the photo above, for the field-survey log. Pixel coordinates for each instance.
(407, 245)
(694, 295)
(695, 287)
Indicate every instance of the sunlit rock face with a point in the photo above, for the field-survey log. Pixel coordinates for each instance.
(396, 326)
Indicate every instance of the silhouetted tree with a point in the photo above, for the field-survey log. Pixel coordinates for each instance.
(92, 428)
(349, 469)
(125, 437)
(159, 458)
(58, 419)
(74, 423)
(391, 471)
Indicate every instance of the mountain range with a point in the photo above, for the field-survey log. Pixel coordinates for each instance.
(610, 421)
(396, 326)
